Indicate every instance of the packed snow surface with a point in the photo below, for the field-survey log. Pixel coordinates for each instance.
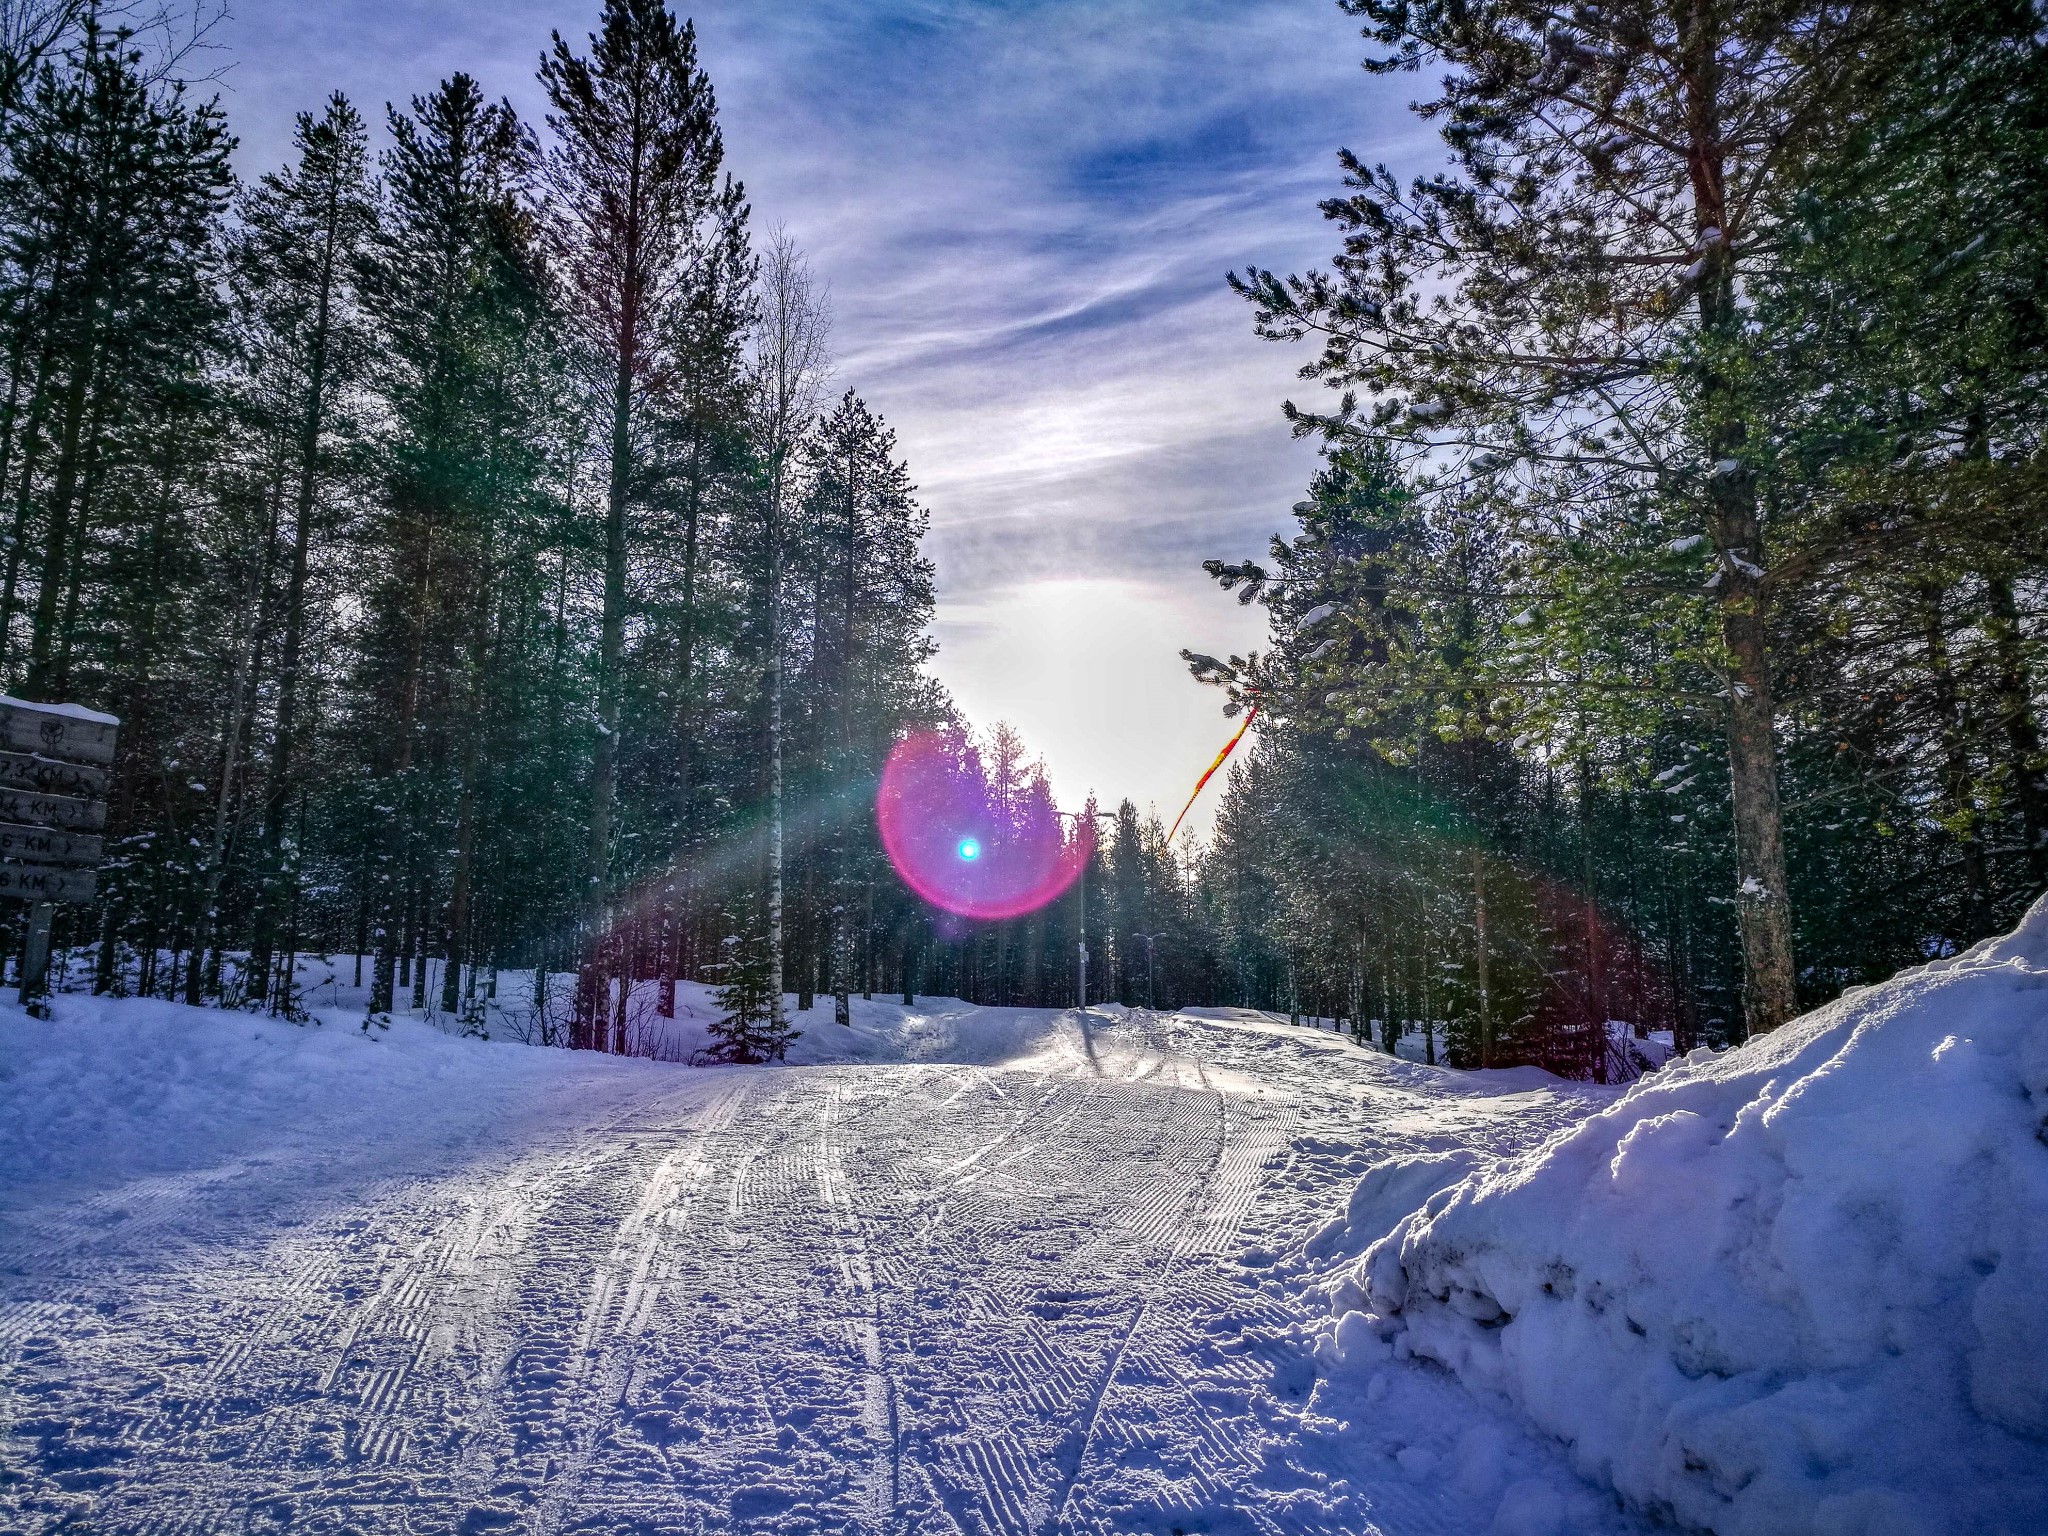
(991, 1270)
(1798, 1288)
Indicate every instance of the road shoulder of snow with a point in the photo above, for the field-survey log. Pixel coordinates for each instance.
(116, 1090)
(1795, 1287)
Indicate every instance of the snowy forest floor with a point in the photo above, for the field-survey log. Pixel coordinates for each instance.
(1011, 1271)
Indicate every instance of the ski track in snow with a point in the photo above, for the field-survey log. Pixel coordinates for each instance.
(1006, 1299)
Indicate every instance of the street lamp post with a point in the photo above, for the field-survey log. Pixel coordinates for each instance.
(1081, 938)
(1151, 970)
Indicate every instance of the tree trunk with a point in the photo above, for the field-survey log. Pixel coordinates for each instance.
(1482, 958)
(383, 996)
(680, 884)
(611, 643)
(1958, 783)
(459, 883)
(241, 705)
(867, 954)
(1595, 980)
(776, 936)
(9, 420)
(2015, 693)
(283, 739)
(1763, 904)
(842, 872)
(17, 548)
(88, 484)
(43, 636)
(461, 890)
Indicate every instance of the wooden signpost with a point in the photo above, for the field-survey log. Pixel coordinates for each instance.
(53, 783)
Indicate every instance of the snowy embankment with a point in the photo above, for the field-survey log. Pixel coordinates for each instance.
(1799, 1287)
(118, 1090)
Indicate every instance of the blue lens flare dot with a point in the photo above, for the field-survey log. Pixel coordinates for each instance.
(959, 845)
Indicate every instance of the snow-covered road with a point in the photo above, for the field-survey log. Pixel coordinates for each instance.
(1045, 1279)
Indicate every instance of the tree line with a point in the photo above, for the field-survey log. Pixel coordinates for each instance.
(464, 532)
(483, 567)
(1659, 641)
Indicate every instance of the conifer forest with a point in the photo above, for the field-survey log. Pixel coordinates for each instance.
(492, 573)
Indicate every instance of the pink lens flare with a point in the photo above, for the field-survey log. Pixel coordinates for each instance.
(957, 847)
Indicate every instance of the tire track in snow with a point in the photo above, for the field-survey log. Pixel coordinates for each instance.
(1188, 1231)
(310, 1362)
(857, 1267)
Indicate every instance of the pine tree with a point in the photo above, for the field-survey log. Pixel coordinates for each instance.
(870, 597)
(303, 235)
(637, 200)
(752, 1028)
(1619, 184)
(454, 286)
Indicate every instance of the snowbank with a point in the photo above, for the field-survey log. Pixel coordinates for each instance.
(114, 1090)
(1801, 1287)
(883, 1030)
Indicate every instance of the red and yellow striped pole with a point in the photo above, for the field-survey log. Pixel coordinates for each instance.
(1228, 747)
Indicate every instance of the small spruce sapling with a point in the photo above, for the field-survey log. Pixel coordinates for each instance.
(752, 1028)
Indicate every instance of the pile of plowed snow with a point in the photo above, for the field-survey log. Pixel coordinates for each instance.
(1798, 1287)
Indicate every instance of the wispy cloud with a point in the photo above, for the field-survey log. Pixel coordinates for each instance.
(1027, 211)
(1024, 211)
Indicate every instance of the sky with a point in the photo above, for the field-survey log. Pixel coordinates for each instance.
(1023, 211)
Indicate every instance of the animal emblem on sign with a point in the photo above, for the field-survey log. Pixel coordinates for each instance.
(53, 734)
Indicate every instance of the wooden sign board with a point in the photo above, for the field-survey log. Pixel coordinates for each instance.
(53, 760)
(47, 776)
(52, 811)
(42, 845)
(69, 731)
(39, 882)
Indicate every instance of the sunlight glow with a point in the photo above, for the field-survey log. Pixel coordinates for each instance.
(957, 846)
(1089, 673)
